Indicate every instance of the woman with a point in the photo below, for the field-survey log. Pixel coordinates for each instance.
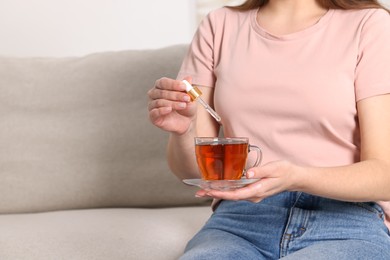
(309, 82)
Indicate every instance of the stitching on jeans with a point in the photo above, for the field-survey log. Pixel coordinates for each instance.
(369, 208)
(303, 228)
(284, 241)
(298, 196)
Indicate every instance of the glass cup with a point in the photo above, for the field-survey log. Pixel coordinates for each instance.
(224, 158)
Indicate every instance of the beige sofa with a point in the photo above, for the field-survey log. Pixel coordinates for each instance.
(83, 173)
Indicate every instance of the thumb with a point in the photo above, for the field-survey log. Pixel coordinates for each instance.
(250, 174)
(188, 78)
(258, 172)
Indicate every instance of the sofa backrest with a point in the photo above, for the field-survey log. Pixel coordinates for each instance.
(74, 133)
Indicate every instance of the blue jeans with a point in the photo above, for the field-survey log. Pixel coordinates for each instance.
(292, 225)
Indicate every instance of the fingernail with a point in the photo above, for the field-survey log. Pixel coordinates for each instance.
(166, 109)
(199, 195)
(250, 174)
(186, 98)
(182, 105)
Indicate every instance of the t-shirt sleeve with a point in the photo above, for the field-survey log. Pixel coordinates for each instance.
(199, 60)
(372, 75)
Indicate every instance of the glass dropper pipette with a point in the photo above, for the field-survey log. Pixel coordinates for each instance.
(195, 94)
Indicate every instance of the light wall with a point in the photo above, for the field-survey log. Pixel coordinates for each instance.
(385, 2)
(77, 27)
(205, 6)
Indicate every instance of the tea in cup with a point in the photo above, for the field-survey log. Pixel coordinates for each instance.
(224, 158)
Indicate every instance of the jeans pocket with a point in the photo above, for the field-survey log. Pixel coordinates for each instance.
(371, 207)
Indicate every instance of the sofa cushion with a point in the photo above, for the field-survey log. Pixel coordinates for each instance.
(146, 234)
(74, 133)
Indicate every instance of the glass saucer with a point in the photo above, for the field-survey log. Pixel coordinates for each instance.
(222, 185)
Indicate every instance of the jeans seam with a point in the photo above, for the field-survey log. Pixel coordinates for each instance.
(369, 208)
(283, 246)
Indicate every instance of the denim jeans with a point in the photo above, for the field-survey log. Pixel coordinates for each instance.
(292, 225)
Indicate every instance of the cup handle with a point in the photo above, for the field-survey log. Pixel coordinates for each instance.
(259, 154)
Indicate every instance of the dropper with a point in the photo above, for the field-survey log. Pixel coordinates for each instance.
(195, 94)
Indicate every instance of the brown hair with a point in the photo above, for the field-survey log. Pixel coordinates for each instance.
(328, 4)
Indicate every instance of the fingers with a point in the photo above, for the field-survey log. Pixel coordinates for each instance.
(156, 114)
(255, 192)
(162, 103)
(274, 177)
(169, 84)
(251, 192)
(158, 108)
(170, 107)
(167, 93)
(156, 93)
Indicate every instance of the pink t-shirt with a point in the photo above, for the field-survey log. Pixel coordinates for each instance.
(293, 95)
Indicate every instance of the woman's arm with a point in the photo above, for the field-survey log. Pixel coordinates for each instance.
(181, 149)
(368, 180)
(170, 109)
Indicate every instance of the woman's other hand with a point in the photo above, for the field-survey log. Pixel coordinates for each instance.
(275, 177)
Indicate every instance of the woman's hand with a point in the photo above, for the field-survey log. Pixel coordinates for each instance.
(275, 177)
(170, 107)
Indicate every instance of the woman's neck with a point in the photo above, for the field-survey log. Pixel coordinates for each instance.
(281, 17)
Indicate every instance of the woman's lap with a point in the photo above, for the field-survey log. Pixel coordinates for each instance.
(291, 224)
(341, 250)
(216, 244)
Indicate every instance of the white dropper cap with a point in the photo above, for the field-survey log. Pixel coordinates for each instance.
(192, 91)
(188, 85)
